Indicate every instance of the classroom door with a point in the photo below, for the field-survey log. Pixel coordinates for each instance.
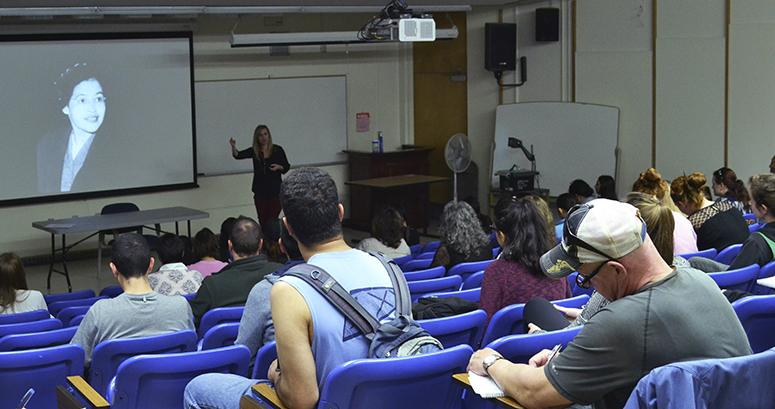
(440, 98)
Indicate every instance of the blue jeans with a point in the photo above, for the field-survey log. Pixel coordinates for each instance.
(216, 391)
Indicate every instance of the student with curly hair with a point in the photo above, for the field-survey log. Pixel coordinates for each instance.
(684, 237)
(718, 224)
(462, 237)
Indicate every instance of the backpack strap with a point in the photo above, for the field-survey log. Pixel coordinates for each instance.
(332, 291)
(400, 287)
(769, 243)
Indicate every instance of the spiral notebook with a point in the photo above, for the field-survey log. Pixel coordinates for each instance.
(484, 386)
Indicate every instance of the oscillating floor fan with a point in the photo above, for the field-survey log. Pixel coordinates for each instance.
(457, 154)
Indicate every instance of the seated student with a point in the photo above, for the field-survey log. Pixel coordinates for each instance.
(387, 230)
(581, 190)
(14, 295)
(759, 247)
(173, 277)
(462, 237)
(605, 187)
(565, 202)
(544, 211)
(651, 321)
(256, 327)
(718, 224)
(313, 337)
(230, 287)
(206, 250)
(772, 164)
(728, 188)
(138, 311)
(516, 276)
(684, 237)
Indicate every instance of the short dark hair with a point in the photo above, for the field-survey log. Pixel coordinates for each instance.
(170, 249)
(70, 77)
(290, 244)
(245, 236)
(131, 255)
(581, 188)
(205, 244)
(224, 237)
(607, 186)
(311, 205)
(565, 201)
(387, 226)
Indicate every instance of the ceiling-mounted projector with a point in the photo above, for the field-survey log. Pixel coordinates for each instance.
(416, 29)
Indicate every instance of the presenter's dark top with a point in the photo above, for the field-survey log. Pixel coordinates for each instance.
(266, 182)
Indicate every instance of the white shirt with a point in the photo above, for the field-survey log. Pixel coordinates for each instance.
(75, 156)
(26, 300)
(372, 244)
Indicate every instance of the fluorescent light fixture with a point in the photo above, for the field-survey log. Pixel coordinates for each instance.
(174, 10)
(318, 38)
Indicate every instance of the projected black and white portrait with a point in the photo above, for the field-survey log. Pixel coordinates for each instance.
(64, 155)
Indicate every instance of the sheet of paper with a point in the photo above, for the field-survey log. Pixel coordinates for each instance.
(484, 386)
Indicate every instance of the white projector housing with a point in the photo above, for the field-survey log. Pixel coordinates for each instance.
(416, 29)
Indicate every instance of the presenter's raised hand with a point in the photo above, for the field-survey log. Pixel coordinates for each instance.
(233, 144)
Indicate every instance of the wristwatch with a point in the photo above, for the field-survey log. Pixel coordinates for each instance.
(488, 361)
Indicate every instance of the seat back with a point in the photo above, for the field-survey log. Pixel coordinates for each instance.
(520, 348)
(765, 272)
(27, 327)
(473, 281)
(420, 381)
(77, 295)
(20, 342)
(28, 316)
(462, 329)
(496, 251)
(76, 321)
(509, 320)
(111, 291)
(472, 294)
(41, 369)
(66, 315)
(219, 316)
(727, 256)
(416, 248)
(466, 269)
(108, 355)
(424, 255)
(741, 279)
(158, 381)
(220, 335)
(433, 272)
(757, 314)
(575, 289)
(418, 264)
(709, 253)
(431, 246)
(420, 288)
(753, 228)
(403, 260)
(264, 357)
(54, 308)
(749, 216)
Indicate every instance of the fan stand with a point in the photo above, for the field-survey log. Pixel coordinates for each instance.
(454, 187)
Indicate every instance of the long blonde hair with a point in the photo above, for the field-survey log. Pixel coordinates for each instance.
(660, 222)
(256, 147)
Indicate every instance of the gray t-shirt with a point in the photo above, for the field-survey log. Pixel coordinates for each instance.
(26, 300)
(683, 317)
(132, 316)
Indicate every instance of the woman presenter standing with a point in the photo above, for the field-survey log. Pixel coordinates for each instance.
(269, 162)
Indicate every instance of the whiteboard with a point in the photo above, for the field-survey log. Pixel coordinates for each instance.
(307, 117)
(570, 141)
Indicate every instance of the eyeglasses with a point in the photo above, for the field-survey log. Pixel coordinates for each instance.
(572, 240)
(585, 281)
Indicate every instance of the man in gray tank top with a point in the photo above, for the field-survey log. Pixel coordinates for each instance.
(657, 315)
(138, 311)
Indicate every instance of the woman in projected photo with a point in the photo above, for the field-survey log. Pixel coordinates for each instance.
(269, 162)
(64, 162)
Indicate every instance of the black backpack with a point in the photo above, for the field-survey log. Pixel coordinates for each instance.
(401, 336)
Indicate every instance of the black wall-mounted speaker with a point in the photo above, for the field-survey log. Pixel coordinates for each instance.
(500, 46)
(547, 24)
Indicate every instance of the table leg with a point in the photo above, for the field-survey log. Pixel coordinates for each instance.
(188, 223)
(64, 264)
(177, 231)
(51, 265)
